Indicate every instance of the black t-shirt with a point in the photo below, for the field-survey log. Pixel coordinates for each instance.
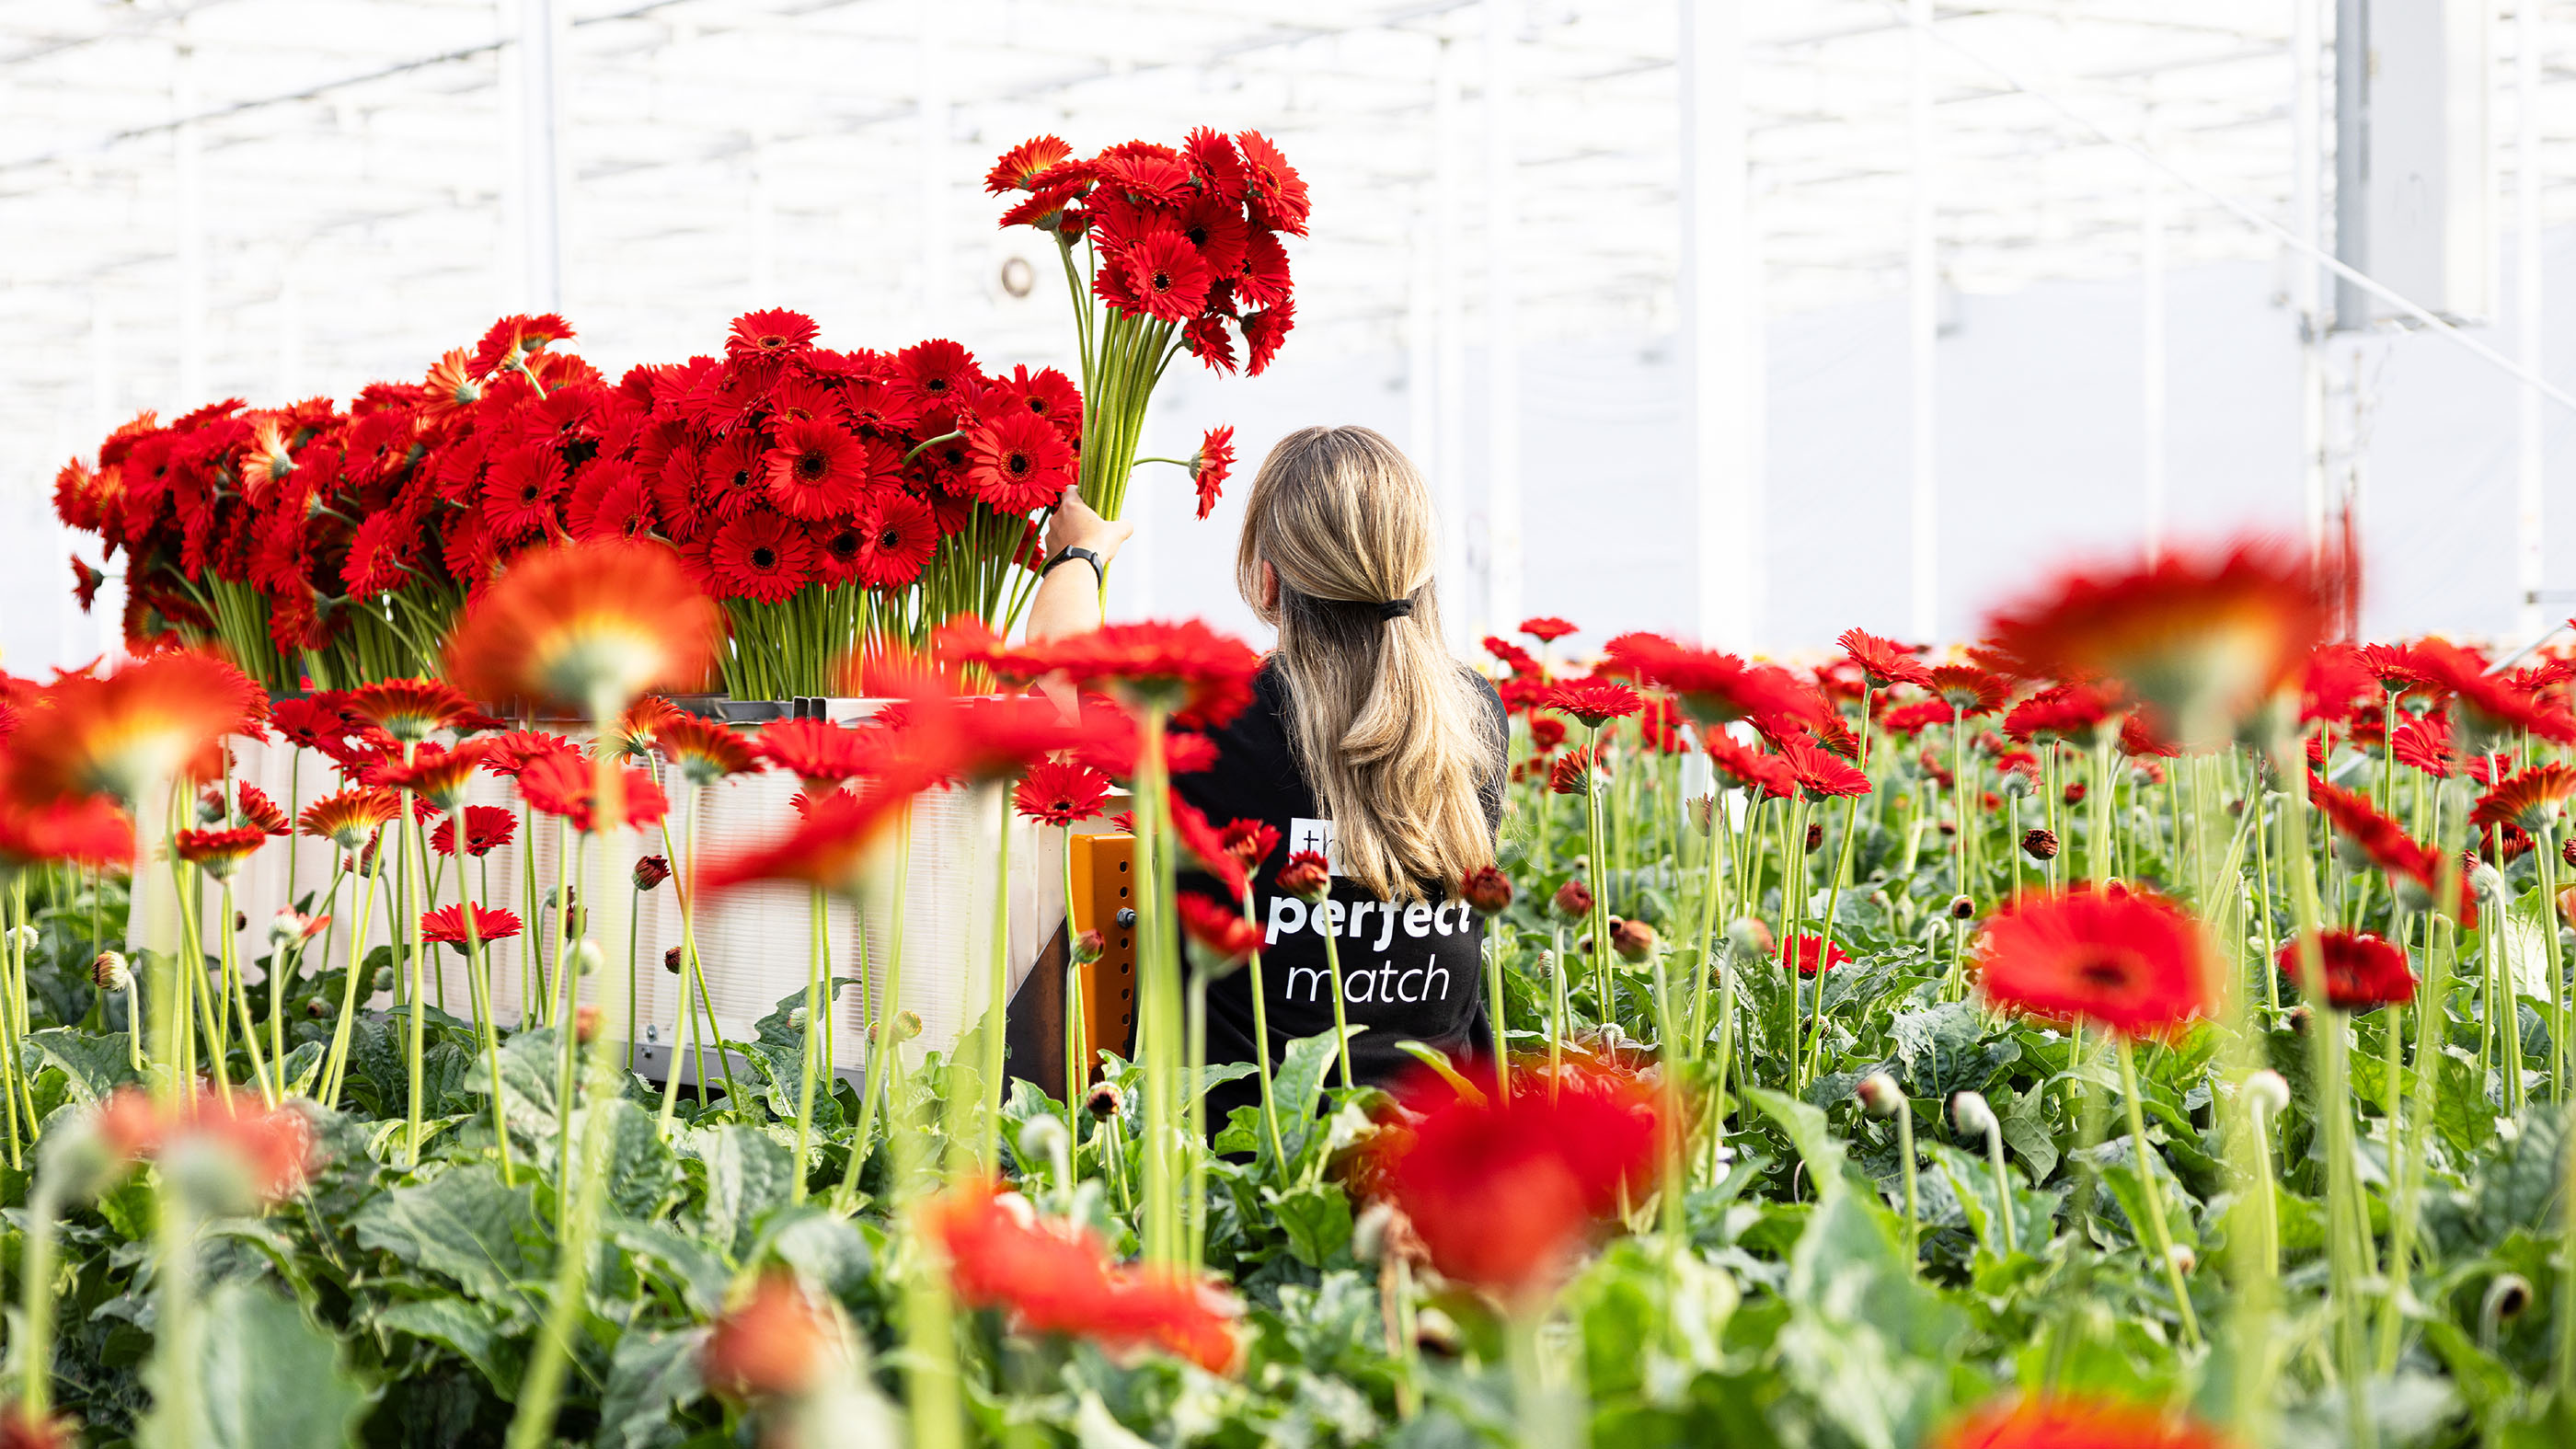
(1410, 972)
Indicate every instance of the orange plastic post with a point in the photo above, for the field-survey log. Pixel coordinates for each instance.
(1103, 886)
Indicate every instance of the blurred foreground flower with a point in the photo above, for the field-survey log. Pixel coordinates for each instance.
(1052, 1276)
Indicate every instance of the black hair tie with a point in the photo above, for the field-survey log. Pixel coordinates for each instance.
(1395, 609)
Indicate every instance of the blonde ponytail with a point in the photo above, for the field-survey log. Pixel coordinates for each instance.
(1388, 729)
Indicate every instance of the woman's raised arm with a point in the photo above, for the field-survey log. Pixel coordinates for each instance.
(1068, 598)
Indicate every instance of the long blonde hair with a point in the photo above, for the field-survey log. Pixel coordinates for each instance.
(1386, 726)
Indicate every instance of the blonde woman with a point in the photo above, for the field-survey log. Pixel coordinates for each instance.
(1365, 743)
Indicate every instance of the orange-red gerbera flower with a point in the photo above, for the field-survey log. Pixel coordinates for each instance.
(1203, 845)
(830, 847)
(2076, 1422)
(126, 733)
(346, 819)
(1218, 928)
(2362, 970)
(2200, 637)
(264, 1155)
(2072, 712)
(1060, 792)
(2527, 801)
(1502, 1191)
(408, 709)
(2487, 709)
(566, 785)
(2413, 869)
(1054, 1277)
(821, 755)
(1571, 773)
(1547, 628)
(1917, 716)
(703, 750)
(1018, 462)
(1883, 661)
(434, 775)
(447, 925)
(775, 1343)
(1198, 676)
(2132, 962)
(84, 830)
(1969, 690)
(1211, 465)
(219, 852)
(1752, 769)
(595, 625)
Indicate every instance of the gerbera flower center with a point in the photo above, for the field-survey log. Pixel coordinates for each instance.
(764, 557)
(771, 342)
(1018, 465)
(890, 538)
(812, 466)
(2104, 972)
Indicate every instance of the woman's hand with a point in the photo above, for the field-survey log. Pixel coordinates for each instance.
(1075, 525)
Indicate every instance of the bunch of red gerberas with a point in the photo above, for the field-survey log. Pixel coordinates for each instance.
(825, 498)
(1179, 249)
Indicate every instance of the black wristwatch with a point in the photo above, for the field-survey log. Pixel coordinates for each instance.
(1098, 572)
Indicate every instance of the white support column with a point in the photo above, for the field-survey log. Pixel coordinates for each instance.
(1422, 387)
(2307, 219)
(931, 149)
(540, 158)
(2151, 341)
(1720, 310)
(2531, 570)
(1449, 335)
(1923, 330)
(188, 172)
(1502, 339)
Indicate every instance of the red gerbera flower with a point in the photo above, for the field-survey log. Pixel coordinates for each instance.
(816, 470)
(2528, 801)
(1547, 628)
(2485, 707)
(1261, 278)
(1716, 688)
(2199, 637)
(1968, 689)
(1502, 1190)
(1571, 773)
(2074, 712)
(1025, 162)
(2334, 684)
(1272, 189)
(251, 806)
(446, 925)
(937, 373)
(435, 775)
(1201, 843)
(1211, 465)
(1265, 331)
(2077, 1422)
(2132, 962)
(523, 490)
(1812, 953)
(898, 535)
(1822, 774)
(408, 709)
(1018, 462)
(773, 333)
(1220, 929)
(511, 341)
(2362, 971)
(761, 556)
(2425, 745)
(511, 750)
(1054, 1277)
(272, 1149)
(1750, 769)
(1166, 276)
(1059, 792)
(566, 785)
(1595, 704)
(822, 756)
(1884, 661)
(1917, 716)
(1200, 677)
(1216, 164)
(487, 828)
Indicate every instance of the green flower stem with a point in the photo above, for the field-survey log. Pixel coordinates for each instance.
(818, 916)
(241, 1002)
(541, 1391)
(883, 1049)
(1158, 992)
(1712, 892)
(1194, 1197)
(36, 1301)
(1333, 975)
(1493, 954)
(1913, 1204)
(1545, 1416)
(1261, 1034)
(2432, 1019)
(479, 986)
(329, 1096)
(1833, 901)
(997, 986)
(2545, 856)
(2003, 1188)
(1559, 1008)
(2149, 1188)
(1598, 864)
